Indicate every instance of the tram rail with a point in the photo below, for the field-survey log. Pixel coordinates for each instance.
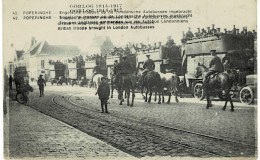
(129, 128)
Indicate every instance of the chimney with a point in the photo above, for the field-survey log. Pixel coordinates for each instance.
(213, 25)
(159, 44)
(208, 30)
(33, 41)
(234, 29)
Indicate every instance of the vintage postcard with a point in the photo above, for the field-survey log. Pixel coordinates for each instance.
(130, 79)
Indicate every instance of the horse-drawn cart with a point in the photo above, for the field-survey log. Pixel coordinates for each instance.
(249, 92)
(21, 78)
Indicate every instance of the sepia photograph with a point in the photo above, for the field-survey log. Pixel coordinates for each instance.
(130, 79)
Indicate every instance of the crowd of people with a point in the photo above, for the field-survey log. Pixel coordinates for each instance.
(209, 32)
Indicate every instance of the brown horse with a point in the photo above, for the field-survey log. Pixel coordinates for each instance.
(114, 86)
(171, 82)
(152, 82)
(217, 82)
(126, 83)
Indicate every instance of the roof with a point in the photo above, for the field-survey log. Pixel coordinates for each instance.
(19, 54)
(47, 49)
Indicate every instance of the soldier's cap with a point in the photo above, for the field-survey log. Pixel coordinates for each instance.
(116, 61)
(40, 75)
(148, 55)
(213, 50)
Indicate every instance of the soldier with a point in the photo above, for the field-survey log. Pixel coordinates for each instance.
(203, 33)
(123, 67)
(41, 82)
(170, 42)
(189, 34)
(115, 66)
(10, 82)
(115, 71)
(127, 50)
(215, 65)
(103, 93)
(148, 66)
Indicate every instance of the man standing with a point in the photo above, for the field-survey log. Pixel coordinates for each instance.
(103, 93)
(41, 82)
(148, 66)
(215, 65)
(10, 82)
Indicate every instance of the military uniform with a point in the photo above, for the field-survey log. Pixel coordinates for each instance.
(149, 65)
(122, 68)
(215, 65)
(103, 94)
(115, 68)
(10, 82)
(41, 82)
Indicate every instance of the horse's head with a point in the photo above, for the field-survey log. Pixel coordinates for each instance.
(200, 69)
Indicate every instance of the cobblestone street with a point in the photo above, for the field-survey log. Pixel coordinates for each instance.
(33, 134)
(139, 131)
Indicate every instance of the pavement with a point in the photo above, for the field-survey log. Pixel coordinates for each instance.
(31, 134)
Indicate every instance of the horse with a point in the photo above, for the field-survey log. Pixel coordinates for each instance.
(218, 81)
(113, 85)
(151, 81)
(171, 82)
(136, 75)
(97, 81)
(126, 83)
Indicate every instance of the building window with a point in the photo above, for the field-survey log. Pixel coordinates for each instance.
(42, 64)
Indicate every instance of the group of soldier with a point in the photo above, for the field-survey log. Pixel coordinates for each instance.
(216, 32)
(215, 66)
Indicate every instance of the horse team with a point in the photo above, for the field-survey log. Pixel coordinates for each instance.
(153, 82)
(164, 84)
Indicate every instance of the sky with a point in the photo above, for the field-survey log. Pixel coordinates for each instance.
(222, 13)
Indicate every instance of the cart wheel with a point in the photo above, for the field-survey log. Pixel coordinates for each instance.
(246, 95)
(20, 98)
(198, 92)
